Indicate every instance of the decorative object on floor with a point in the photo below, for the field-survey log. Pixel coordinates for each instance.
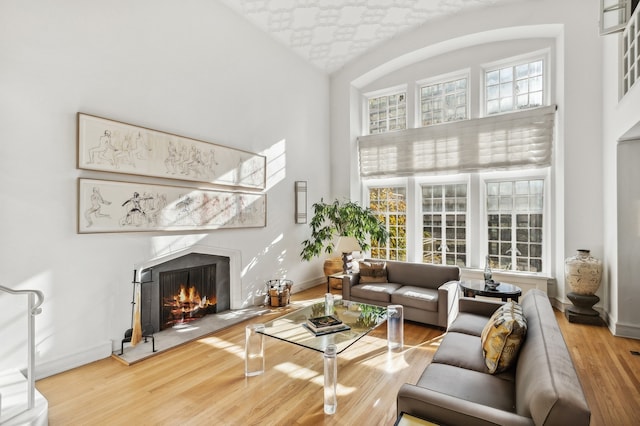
(395, 327)
(111, 206)
(279, 291)
(254, 350)
(301, 201)
(583, 273)
(330, 379)
(338, 219)
(346, 246)
(113, 146)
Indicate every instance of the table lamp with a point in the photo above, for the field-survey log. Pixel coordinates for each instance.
(346, 246)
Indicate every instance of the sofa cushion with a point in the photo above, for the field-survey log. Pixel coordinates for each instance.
(461, 350)
(380, 292)
(470, 385)
(468, 323)
(502, 337)
(416, 297)
(373, 272)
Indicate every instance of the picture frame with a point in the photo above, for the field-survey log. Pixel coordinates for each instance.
(114, 146)
(116, 206)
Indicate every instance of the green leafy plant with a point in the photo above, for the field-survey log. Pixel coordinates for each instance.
(347, 219)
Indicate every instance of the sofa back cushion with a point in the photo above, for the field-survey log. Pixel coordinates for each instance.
(420, 274)
(547, 386)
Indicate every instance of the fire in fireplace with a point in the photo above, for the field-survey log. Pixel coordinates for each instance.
(187, 294)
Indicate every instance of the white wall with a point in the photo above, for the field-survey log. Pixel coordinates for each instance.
(578, 215)
(622, 194)
(192, 68)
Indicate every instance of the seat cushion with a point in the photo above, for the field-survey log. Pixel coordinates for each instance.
(502, 337)
(372, 272)
(461, 350)
(416, 297)
(470, 385)
(380, 292)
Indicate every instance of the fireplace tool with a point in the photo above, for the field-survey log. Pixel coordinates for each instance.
(137, 332)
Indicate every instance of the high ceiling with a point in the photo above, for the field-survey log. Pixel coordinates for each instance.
(330, 33)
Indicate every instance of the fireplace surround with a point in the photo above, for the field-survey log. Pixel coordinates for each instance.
(222, 264)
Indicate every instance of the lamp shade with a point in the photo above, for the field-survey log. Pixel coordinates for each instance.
(347, 245)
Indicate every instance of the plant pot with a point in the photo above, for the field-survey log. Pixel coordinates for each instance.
(583, 273)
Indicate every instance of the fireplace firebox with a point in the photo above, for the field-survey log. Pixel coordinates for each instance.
(184, 289)
(187, 294)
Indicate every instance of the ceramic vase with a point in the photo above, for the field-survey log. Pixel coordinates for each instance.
(583, 273)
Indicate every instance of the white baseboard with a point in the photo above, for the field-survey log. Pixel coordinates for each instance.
(73, 360)
(305, 285)
(624, 330)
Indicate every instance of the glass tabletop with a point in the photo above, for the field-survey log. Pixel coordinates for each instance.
(360, 317)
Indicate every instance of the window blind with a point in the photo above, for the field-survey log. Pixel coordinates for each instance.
(514, 140)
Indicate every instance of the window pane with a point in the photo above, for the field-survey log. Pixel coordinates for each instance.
(387, 113)
(389, 205)
(444, 227)
(502, 93)
(446, 101)
(515, 235)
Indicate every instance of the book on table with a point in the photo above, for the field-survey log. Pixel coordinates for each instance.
(325, 324)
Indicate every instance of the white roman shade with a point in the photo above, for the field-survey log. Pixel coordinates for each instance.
(519, 139)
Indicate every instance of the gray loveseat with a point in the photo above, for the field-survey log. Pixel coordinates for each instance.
(541, 389)
(428, 293)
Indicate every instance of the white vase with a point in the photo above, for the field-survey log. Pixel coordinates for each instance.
(583, 273)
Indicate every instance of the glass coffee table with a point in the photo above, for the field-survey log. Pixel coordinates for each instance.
(360, 317)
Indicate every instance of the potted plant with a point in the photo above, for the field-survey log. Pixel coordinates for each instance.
(347, 219)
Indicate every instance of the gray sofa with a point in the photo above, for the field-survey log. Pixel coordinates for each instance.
(541, 389)
(428, 293)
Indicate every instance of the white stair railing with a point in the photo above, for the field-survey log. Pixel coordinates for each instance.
(33, 310)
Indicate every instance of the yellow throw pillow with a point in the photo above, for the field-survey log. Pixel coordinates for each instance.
(502, 337)
(373, 272)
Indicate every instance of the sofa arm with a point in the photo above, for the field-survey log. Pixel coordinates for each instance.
(478, 306)
(449, 410)
(447, 303)
(348, 281)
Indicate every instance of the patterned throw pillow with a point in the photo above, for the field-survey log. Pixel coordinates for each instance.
(502, 337)
(373, 272)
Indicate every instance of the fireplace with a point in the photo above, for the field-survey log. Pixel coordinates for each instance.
(184, 289)
(187, 294)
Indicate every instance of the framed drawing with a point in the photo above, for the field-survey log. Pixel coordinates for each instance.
(113, 146)
(113, 206)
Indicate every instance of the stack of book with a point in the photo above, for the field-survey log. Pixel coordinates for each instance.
(325, 324)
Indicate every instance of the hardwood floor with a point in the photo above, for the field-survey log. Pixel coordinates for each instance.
(203, 382)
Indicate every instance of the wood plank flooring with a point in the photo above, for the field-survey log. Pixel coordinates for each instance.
(203, 382)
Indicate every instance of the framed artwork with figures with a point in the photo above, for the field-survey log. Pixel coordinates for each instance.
(115, 206)
(117, 147)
